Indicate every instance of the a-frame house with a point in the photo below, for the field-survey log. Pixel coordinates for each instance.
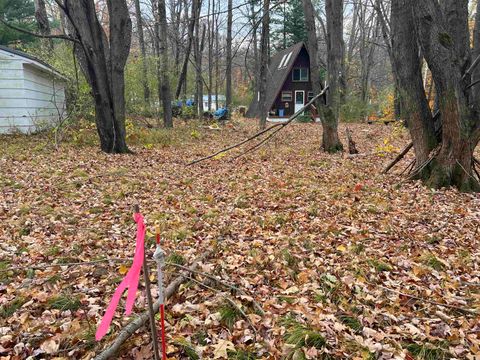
(289, 85)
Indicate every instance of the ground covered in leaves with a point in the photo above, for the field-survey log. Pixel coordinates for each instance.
(343, 262)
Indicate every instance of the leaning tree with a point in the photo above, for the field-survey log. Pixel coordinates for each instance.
(439, 31)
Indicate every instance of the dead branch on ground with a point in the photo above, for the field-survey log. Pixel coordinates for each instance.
(276, 127)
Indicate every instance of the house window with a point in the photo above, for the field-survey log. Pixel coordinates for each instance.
(300, 74)
(311, 95)
(286, 96)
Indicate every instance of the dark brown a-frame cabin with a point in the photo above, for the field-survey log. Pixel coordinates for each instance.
(289, 85)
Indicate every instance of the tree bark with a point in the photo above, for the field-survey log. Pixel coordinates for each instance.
(228, 75)
(182, 80)
(335, 49)
(445, 51)
(164, 86)
(143, 52)
(199, 47)
(103, 62)
(262, 89)
(407, 70)
(42, 20)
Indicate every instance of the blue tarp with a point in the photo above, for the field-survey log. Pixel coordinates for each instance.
(220, 113)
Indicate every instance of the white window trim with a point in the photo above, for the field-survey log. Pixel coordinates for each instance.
(290, 96)
(301, 80)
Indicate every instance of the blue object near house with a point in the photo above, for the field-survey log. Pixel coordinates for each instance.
(190, 102)
(281, 112)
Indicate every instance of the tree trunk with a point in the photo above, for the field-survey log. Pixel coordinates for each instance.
(182, 80)
(228, 75)
(328, 111)
(446, 52)
(211, 35)
(255, 47)
(164, 86)
(103, 62)
(199, 46)
(141, 40)
(407, 69)
(262, 89)
(42, 20)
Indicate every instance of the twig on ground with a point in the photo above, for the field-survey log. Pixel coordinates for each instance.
(140, 321)
(234, 304)
(470, 311)
(258, 308)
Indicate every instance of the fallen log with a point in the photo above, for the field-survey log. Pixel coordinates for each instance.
(140, 321)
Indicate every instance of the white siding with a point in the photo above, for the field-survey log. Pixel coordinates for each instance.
(12, 96)
(30, 96)
(44, 95)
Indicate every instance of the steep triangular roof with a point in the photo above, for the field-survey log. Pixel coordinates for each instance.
(280, 66)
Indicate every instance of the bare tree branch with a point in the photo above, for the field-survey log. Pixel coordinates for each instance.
(257, 135)
(16, 28)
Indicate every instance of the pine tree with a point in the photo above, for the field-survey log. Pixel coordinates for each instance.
(21, 14)
(288, 25)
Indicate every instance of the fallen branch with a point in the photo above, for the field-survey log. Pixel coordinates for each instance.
(231, 286)
(399, 157)
(470, 311)
(140, 321)
(280, 126)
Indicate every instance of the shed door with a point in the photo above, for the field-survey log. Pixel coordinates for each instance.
(299, 100)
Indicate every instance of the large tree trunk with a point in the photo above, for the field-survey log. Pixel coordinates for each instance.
(103, 62)
(141, 40)
(446, 51)
(407, 71)
(326, 109)
(262, 89)
(164, 86)
(42, 20)
(228, 75)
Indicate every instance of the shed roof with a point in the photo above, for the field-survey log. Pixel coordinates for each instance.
(32, 60)
(280, 66)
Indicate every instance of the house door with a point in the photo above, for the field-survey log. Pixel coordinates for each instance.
(299, 100)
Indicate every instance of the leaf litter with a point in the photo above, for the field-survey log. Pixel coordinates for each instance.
(343, 261)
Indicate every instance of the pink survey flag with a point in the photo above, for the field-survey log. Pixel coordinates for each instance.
(130, 282)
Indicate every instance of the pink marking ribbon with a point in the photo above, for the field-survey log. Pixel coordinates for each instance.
(130, 281)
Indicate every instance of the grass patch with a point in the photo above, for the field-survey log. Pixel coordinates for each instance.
(176, 258)
(299, 335)
(186, 348)
(9, 309)
(379, 265)
(64, 303)
(53, 251)
(229, 314)
(241, 355)
(350, 321)
(434, 263)
(358, 248)
(429, 351)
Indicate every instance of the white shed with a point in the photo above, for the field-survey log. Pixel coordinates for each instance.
(32, 93)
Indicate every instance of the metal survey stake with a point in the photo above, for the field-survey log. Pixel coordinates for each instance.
(159, 257)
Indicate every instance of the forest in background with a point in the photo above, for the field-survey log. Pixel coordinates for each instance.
(369, 92)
